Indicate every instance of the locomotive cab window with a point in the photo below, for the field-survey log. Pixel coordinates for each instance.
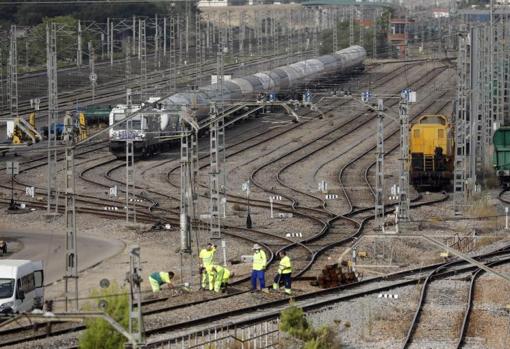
(416, 133)
(440, 133)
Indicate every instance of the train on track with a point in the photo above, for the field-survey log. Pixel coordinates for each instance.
(501, 155)
(431, 153)
(152, 130)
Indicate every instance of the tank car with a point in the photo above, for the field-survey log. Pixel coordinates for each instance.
(431, 148)
(282, 80)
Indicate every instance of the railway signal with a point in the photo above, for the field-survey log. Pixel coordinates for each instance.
(246, 188)
(12, 167)
(366, 96)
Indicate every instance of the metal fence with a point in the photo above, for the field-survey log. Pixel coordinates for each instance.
(257, 336)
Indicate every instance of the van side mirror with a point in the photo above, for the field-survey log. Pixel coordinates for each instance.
(21, 295)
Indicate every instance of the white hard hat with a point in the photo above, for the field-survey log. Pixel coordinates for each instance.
(256, 247)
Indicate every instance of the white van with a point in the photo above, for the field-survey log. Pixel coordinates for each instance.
(21, 285)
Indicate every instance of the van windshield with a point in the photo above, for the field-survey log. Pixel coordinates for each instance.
(6, 288)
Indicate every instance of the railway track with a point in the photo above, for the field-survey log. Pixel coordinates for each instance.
(158, 330)
(425, 289)
(271, 309)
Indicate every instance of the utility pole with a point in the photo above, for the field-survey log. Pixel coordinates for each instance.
(133, 30)
(164, 36)
(156, 41)
(258, 33)
(289, 37)
(128, 61)
(173, 56)
(242, 33)
(335, 33)
(403, 197)
(463, 90)
(187, 28)
(2, 101)
(79, 53)
(374, 37)
(130, 164)
(51, 54)
(108, 41)
(136, 327)
(186, 188)
(351, 27)
(179, 40)
(71, 261)
(92, 67)
(379, 167)
(361, 28)
(198, 51)
(111, 43)
(143, 61)
(13, 74)
(214, 184)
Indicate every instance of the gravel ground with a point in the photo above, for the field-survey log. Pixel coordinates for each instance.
(370, 322)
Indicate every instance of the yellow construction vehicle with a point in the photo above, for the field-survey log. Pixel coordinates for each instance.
(23, 131)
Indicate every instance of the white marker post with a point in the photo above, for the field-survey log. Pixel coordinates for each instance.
(272, 199)
(506, 218)
(224, 204)
(224, 247)
(113, 191)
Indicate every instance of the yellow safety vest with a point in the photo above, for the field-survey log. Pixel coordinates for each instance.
(207, 257)
(259, 260)
(222, 273)
(285, 266)
(161, 277)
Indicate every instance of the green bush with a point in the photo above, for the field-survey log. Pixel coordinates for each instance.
(293, 322)
(99, 334)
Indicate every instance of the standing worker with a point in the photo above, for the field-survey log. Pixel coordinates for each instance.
(220, 276)
(207, 257)
(258, 269)
(158, 279)
(284, 271)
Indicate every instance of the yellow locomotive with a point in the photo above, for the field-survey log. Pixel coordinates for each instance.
(432, 155)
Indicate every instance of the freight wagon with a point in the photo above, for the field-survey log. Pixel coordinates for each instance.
(501, 155)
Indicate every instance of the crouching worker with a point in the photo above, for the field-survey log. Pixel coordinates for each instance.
(284, 273)
(220, 276)
(158, 279)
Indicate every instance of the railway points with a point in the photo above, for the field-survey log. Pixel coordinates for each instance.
(140, 138)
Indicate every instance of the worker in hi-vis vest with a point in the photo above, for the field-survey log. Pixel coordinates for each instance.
(258, 269)
(284, 272)
(207, 259)
(220, 276)
(160, 278)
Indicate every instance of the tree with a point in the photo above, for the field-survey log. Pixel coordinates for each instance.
(99, 333)
(294, 323)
